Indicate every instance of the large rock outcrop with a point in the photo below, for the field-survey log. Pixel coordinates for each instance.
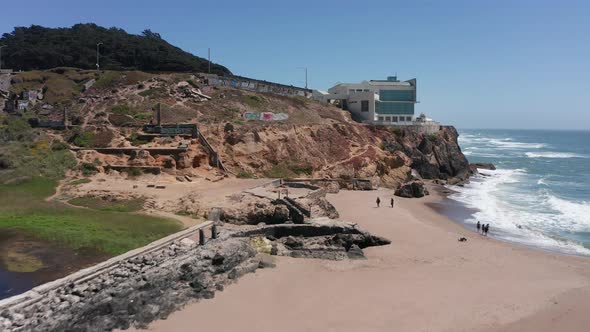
(344, 149)
(412, 189)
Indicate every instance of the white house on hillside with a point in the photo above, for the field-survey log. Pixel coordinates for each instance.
(376, 101)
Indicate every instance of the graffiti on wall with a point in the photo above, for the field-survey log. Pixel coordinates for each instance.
(259, 86)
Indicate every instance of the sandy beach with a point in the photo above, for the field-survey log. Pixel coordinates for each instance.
(425, 280)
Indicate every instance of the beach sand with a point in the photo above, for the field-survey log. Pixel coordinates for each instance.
(424, 281)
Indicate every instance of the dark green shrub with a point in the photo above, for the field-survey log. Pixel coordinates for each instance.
(59, 146)
(245, 175)
(88, 169)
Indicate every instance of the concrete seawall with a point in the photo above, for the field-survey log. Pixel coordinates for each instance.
(57, 305)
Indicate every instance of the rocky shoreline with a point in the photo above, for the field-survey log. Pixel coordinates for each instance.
(151, 286)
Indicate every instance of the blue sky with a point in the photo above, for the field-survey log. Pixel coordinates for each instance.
(479, 64)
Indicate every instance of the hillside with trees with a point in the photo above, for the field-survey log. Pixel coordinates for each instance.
(37, 47)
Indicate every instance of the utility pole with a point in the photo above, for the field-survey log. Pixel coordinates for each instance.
(1, 47)
(98, 56)
(209, 57)
(304, 68)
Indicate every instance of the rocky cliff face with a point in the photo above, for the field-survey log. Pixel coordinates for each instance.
(343, 149)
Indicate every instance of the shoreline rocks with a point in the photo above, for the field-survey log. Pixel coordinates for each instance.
(488, 166)
(412, 189)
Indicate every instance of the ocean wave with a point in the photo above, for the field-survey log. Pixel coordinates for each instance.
(509, 144)
(573, 216)
(531, 218)
(555, 155)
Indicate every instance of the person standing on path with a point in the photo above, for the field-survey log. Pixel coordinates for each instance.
(478, 226)
(392, 202)
(378, 201)
(487, 229)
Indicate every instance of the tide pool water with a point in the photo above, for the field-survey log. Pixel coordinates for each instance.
(540, 193)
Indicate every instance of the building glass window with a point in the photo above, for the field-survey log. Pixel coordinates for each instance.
(409, 118)
(351, 91)
(394, 108)
(380, 118)
(396, 95)
(364, 105)
(395, 119)
(388, 119)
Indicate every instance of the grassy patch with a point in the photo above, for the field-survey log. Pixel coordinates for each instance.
(254, 101)
(153, 92)
(134, 77)
(15, 261)
(98, 203)
(34, 159)
(289, 170)
(23, 208)
(83, 139)
(245, 175)
(136, 140)
(107, 80)
(122, 109)
(143, 116)
(88, 169)
(279, 171)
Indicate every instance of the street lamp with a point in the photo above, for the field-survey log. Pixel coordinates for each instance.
(304, 68)
(1, 47)
(98, 56)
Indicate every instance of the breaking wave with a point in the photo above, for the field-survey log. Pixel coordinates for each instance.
(532, 218)
(553, 155)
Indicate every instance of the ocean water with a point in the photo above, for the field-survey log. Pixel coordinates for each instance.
(540, 193)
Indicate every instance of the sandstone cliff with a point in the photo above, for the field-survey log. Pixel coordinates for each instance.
(313, 139)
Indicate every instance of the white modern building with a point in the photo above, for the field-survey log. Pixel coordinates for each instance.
(387, 101)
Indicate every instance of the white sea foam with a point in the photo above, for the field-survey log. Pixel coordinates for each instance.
(529, 218)
(555, 155)
(510, 145)
(575, 216)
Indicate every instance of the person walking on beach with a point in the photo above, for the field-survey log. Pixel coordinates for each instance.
(487, 229)
(378, 201)
(392, 202)
(478, 226)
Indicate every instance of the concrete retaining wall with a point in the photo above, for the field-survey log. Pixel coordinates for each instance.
(246, 83)
(37, 293)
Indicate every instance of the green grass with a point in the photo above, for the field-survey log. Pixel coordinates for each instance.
(84, 139)
(245, 175)
(23, 208)
(20, 262)
(279, 171)
(153, 92)
(34, 159)
(122, 109)
(254, 101)
(97, 203)
(107, 80)
(288, 171)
